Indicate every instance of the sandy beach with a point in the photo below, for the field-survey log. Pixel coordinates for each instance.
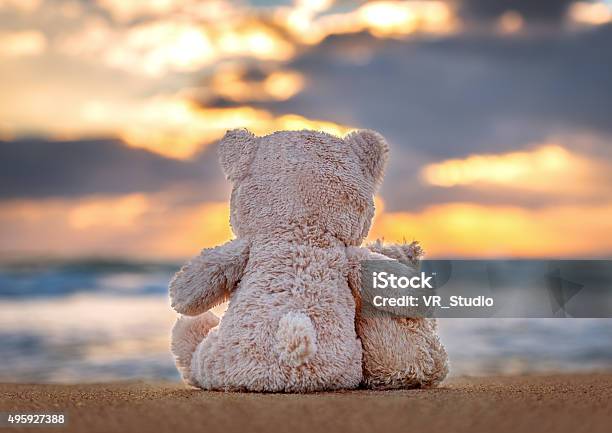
(555, 403)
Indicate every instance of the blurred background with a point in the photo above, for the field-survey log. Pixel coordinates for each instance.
(498, 113)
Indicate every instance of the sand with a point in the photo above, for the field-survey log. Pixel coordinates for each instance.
(556, 403)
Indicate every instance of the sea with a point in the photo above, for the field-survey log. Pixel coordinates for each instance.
(97, 320)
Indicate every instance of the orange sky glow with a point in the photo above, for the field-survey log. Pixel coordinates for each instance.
(174, 83)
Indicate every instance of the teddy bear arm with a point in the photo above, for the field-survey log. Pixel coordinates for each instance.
(398, 352)
(355, 256)
(401, 265)
(408, 254)
(209, 278)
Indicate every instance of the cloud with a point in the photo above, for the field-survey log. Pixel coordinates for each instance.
(510, 22)
(233, 82)
(473, 230)
(22, 43)
(545, 169)
(152, 48)
(163, 36)
(477, 108)
(160, 226)
(23, 6)
(41, 168)
(540, 10)
(126, 11)
(180, 44)
(381, 18)
(179, 128)
(434, 100)
(461, 94)
(591, 13)
(151, 226)
(172, 125)
(129, 10)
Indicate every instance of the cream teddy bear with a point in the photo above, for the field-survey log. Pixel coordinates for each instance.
(301, 204)
(398, 352)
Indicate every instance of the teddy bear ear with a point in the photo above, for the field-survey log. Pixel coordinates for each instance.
(236, 150)
(372, 150)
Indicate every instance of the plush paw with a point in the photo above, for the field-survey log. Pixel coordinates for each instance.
(405, 253)
(207, 280)
(198, 286)
(183, 296)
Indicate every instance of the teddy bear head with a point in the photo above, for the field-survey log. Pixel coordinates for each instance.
(303, 181)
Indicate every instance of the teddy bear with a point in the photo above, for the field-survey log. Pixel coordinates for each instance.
(301, 204)
(398, 352)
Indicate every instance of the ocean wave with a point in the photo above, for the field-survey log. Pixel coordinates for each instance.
(92, 337)
(52, 279)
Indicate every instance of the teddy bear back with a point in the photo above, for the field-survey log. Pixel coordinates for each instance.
(303, 185)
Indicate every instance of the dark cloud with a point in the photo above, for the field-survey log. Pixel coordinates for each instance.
(438, 99)
(42, 168)
(220, 102)
(433, 99)
(532, 10)
(462, 94)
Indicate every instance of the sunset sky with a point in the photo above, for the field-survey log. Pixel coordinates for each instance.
(498, 114)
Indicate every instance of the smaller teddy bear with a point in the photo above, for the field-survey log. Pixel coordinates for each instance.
(399, 352)
(301, 204)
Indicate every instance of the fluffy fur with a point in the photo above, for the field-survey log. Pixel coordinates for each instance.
(398, 352)
(302, 203)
